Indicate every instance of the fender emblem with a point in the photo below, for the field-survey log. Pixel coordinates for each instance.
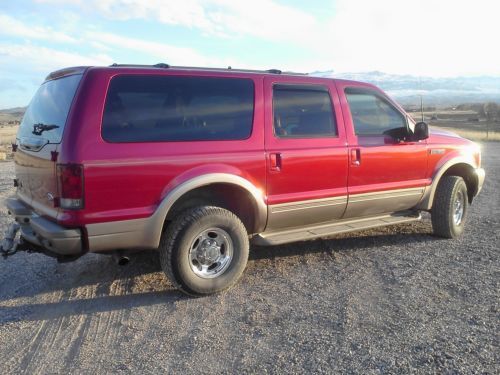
(50, 197)
(436, 151)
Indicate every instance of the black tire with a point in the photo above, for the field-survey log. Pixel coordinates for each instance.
(181, 236)
(444, 223)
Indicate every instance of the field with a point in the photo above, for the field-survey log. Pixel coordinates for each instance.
(7, 136)
(466, 123)
(9, 123)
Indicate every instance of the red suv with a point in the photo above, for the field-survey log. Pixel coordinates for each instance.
(196, 162)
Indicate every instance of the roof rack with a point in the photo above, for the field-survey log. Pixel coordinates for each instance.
(167, 66)
(159, 65)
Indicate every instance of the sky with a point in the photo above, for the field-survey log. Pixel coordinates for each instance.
(439, 38)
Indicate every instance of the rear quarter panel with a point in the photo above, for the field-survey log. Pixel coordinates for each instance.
(129, 180)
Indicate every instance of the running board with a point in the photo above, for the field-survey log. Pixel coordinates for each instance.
(331, 228)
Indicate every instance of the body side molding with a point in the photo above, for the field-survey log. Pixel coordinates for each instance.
(146, 233)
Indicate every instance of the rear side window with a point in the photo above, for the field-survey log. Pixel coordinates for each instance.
(372, 115)
(303, 112)
(46, 115)
(168, 108)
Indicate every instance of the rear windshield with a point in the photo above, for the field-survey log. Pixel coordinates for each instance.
(172, 108)
(46, 115)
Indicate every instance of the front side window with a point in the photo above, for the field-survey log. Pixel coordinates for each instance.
(171, 108)
(302, 112)
(373, 115)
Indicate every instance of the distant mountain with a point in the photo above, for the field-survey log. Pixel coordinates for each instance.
(15, 112)
(407, 89)
(436, 91)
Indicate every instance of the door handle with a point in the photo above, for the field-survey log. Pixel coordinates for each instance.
(356, 157)
(275, 161)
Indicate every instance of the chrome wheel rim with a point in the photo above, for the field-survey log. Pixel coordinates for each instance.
(210, 253)
(458, 208)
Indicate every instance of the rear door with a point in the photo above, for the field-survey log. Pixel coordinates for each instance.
(385, 174)
(38, 139)
(306, 152)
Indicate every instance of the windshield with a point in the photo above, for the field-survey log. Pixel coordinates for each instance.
(47, 112)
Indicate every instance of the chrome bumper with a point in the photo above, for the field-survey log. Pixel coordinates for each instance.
(45, 233)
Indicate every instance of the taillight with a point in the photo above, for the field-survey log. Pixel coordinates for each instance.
(70, 179)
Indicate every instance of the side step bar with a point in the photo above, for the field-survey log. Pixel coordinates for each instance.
(331, 228)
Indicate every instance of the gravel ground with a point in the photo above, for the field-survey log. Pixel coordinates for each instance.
(390, 300)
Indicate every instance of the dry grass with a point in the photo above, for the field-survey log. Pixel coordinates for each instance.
(476, 135)
(460, 123)
(7, 137)
(7, 134)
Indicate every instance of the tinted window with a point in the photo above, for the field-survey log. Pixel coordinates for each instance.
(372, 115)
(46, 115)
(166, 108)
(302, 112)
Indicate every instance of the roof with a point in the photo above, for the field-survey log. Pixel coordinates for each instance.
(228, 69)
(81, 69)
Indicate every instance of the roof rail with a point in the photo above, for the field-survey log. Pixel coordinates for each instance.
(166, 66)
(159, 65)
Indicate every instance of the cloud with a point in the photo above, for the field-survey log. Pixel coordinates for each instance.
(399, 36)
(265, 19)
(13, 27)
(163, 52)
(438, 38)
(23, 67)
(37, 59)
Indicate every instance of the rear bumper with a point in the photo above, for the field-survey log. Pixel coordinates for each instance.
(137, 234)
(45, 233)
(480, 175)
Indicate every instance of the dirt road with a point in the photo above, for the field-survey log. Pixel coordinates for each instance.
(390, 300)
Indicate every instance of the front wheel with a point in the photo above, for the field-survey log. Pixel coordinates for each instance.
(450, 207)
(205, 250)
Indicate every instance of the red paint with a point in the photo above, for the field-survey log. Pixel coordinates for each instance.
(311, 168)
(128, 180)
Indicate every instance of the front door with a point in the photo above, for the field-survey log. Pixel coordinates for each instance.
(385, 174)
(305, 151)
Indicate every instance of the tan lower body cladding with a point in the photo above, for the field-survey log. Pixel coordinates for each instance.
(295, 214)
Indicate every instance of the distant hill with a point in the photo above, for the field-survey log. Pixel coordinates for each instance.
(17, 111)
(406, 89)
(436, 91)
(11, 116)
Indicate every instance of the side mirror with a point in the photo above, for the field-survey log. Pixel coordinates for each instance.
(421, 131)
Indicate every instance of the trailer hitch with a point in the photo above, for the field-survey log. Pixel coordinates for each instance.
(9, 244)
(12, 243)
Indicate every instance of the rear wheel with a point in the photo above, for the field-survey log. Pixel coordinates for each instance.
(205, 250)
(449, 210)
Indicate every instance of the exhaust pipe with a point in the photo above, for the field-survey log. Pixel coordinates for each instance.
(121, 258)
